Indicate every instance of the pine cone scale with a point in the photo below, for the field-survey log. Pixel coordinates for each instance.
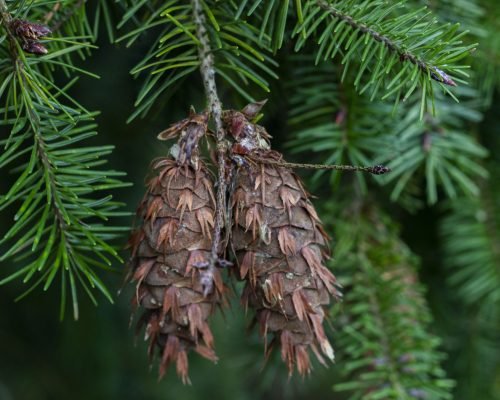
(170, 252)
(281, 250)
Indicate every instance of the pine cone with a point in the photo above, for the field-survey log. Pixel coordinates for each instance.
(170, 253)
(280, 247)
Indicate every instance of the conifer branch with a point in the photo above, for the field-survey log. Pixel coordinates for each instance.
(384, 302)
(237, 55)
(394, 49)
(57, 229)
(385, 356)
(207, 70)
(32, 115)
(393, 46)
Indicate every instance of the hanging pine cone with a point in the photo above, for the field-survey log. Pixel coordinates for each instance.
(171, 249)
(280, 247)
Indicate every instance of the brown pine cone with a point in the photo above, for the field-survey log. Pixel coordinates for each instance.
(170, 253)
(281, 248)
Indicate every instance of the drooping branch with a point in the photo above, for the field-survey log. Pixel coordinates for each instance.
(207, 70)
(385, 302)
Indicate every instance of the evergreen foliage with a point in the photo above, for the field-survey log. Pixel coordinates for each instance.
(385, 340)
(358, 82)
(61, 193)
(239, 56)
(471, 249)
(335, 122)
(470, 233)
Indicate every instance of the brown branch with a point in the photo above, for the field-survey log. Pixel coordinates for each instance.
(375, 170)
(207, 70)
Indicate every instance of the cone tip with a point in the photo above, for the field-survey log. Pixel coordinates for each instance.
(328, 350)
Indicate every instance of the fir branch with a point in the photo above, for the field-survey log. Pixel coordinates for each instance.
(372, 36)
(386, 349)
(481, 20)
(391, 44)
(237, 59)
(207, 70)
(58, 228)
